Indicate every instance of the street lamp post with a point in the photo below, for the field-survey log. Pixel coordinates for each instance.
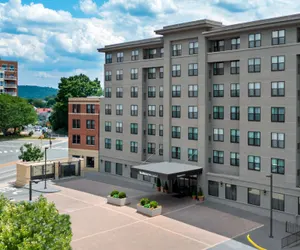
(271, 207)
(45, 168)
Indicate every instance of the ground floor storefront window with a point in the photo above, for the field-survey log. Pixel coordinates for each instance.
(90, 162)
(230, 192)
(278, 201)
(213, 188)
(107, 166)
(254, 196)
(119, 169)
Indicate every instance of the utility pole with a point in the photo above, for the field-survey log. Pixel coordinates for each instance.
(271, 205)
(45, 168)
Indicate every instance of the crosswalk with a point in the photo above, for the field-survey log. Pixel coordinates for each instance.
(9, 151)
(16, 151)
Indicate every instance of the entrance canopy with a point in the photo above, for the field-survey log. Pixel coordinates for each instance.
(167, 170)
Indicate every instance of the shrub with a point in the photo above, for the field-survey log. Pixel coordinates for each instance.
(200, 193)
(158, 183)
(147, 205)
(122, 195)
(144, 201)
(114, 192)
(116, 196)
(153, 204)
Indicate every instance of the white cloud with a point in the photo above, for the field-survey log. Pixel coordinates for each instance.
(43, 75)
(88, 6)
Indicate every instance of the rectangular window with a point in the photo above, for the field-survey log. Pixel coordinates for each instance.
(134, 92)
(90, 162)
(76, 139)
(192, 155)
(176, 111)
(218, 134)
(254, 89)
(133, 147)
(108, 92)
(218, 157)
(193, 48)
(254, 196)
(278, 140)
(193, 91)
(234, 159)
(107, 126)
(107, 166)
(278, 63)
(134, 55)
(278, 201)
(161, 130)
(219, 45)
(230, 192)
(176, 132)
(176, 50)
(161, 149)
(151, 148)
(119, 93)
(176, 90)
(193, 133)
(120, 57)
(108, 109)
(161, 91)
(161, 72)
(107, 143)
(277, 114)
(151, 129)
(108, 75)
(193, 112)
(278, 37)
(119, 145)
(152, 73)
(254, 138)
(119, 75)
(119, 127)
(90, 140)
(218, 90)
(234, 135)
(146, 178)
(218, 112)
(90, 108)
(254, 114)
(213, 188)
(234, 67)
(90, 124)
(76, 108)
(134, 74)
(277, 166)
(254, 65)
(234, 89)
(161, 111)
(218, 68)
(277, 89)
(176, 153)
(193, 69)
(75, 123)
(254, 40)
(134, 128)
(151, 91)
(119, 109)
(151, 110)
(254, 162)
(235, 43)
(161, 52)
(108, 58)
(176, 70)
(152, 53)
(134, 110)
(119, 169)
(234, 112)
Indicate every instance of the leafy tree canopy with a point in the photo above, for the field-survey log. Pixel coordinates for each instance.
(30, 152)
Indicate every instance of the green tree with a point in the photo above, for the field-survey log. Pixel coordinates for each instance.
(15, 112)
(30, 152)
(33, 226)
(74, 86)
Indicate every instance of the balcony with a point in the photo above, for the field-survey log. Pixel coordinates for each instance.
(10, 85)
(11, 93)
(13, 78)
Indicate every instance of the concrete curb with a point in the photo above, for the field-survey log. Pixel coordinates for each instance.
(39, 187)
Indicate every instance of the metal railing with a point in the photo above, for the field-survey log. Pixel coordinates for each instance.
(291, 227)
(290, 239)
(10, 78)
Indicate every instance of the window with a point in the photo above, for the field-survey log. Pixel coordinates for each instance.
(108, 58)
(76, 108)
(134, 73)
(119, 75)
(146, 178)
(90, 140)
(193, 69)
(218, 90)
(119, 93)
(134, 55)
(278, 63)
(119, 127)
(151, 110)
(193, 48)
(176, 90)
(278, 140)
(107, 166)
(151, 129)
(161, 72)
(161, 91)
(152, 53)
(152, 73)
(176, 70)
(218, 68)
(107, 143)
(120, 57)
(277, 89)
(218, 134)
(213, 188)
(230, 192)
(254, 162)
(176, 132)
(161, 111)
(76, 139)
(254, 89)
(119, 109)
(90, 108)
(176, 50)
(90, 162)
(161, 129)
(151, 148)
(234, 113)
(134, 110)
(161, 52)
(192, 155)
(234, 67)
(108, 75)
(193, 90)
(253, 138)
(254, 196)
(193, 133)
(278, 201)
(218, 157)
(161, 149)
(234, 159)
(219, 45)
(235, 43)
(193, 112)
(176, 111)
(234, 89)
(234, 135)
(108, 92)
(134, 128)
(176, 153)
(108, 109)
(277, 166)
(75, 123)
(253, 65)
(90, 124)
(278, 37)
(119, 145)
(151, 91)
(133, 147)
(119, 169)
(107, 126)
(218, 112)
(254, 114)
(134, 92)
(277, 114)
(254, 40)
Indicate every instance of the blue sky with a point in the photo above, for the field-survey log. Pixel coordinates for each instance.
(58, 38)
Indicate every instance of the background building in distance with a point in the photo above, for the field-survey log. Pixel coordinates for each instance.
(8, 77)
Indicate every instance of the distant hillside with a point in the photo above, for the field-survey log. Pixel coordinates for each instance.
(26, 91)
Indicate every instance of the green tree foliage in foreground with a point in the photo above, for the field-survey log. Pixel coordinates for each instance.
(15, 112)
(33, 226)
(74, 86)
(30, 152)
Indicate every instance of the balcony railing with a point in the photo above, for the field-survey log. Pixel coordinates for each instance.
(10, 78)
(10, 85)
(11, 93)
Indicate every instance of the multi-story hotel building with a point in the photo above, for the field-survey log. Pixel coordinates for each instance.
(9, 77)
(224, 98)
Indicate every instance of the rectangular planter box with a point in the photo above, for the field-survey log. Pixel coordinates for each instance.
(149, 212)
(117, 201)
